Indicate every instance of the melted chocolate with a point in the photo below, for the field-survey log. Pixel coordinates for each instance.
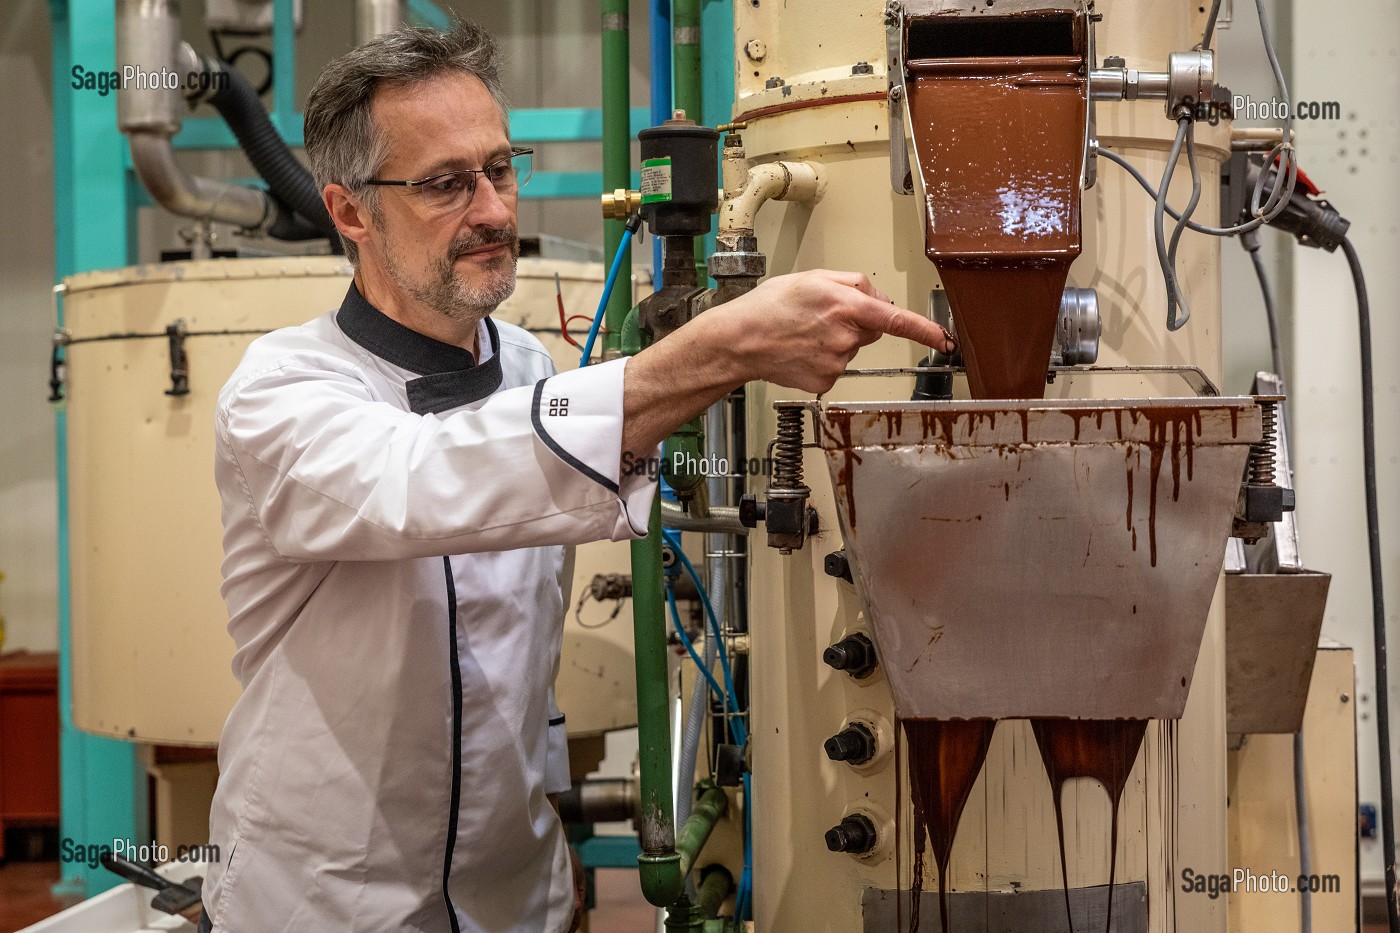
(944, 761)
(1104, 750)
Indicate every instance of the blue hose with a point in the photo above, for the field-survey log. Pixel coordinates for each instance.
(633, 223)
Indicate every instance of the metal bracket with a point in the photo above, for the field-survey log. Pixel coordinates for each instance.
(1193, 376)
(179, 360)
(901, 173)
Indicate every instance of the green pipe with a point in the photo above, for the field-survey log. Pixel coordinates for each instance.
(716, 883)
(663, 876)
(680, 462)
(617, 158)
(688, 81)
(685, 56)
(658, 829)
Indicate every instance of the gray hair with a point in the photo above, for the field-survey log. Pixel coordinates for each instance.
(343, 144)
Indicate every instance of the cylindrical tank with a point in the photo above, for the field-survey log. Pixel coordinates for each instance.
(150, 656)
(812, 86)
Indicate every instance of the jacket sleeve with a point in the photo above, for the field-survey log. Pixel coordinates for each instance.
(331, 473)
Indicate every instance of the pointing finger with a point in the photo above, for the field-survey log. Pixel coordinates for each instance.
(900, 322)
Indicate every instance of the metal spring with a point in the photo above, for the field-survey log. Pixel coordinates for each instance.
(1261, 455)
(787, 449)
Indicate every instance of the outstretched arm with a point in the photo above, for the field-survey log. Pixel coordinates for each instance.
(797, 330)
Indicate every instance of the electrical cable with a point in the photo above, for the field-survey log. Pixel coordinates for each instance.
(633, 223)
(1300, 807)
(1210, 25)
(1373, 534)
(1250, 241)
(1262, 209)
(563, 317)
(1174, 293)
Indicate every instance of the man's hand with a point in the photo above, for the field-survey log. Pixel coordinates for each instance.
(798, 330)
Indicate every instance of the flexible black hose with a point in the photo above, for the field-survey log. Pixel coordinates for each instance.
(287, 179)
(1373, 535)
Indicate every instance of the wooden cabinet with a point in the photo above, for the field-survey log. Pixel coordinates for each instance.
(28, 741)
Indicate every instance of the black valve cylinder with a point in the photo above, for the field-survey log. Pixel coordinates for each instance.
(680, 178)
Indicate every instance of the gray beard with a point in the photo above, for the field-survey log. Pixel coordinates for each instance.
(448, 294)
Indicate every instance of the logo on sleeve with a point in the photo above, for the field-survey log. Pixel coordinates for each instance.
(558, 407)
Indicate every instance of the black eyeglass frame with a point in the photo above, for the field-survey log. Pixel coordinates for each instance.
(423, 182)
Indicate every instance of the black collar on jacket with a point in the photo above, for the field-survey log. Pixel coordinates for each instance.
(448, 376)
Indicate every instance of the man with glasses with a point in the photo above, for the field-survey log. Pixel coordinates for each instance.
(400, 479)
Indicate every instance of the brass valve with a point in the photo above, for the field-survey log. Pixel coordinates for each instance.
(621, 204)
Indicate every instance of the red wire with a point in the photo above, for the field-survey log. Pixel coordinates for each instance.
(563, 323)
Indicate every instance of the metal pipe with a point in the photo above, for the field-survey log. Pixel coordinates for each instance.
(659, 863)
(153, 159)
(376, 17)
(663, 876)
(722, 519)
(685, 55)
(660, 34)
(617, 159)
(686, 66)
(601, 800)
(148, 33)
(716, 883)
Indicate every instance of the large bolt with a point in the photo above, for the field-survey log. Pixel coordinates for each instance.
(838, 565)
(854, 654)
(855, 834)
(854, 744)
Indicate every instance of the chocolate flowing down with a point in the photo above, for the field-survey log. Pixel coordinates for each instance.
(1001, 148)
(1104, 750)
(944, 761)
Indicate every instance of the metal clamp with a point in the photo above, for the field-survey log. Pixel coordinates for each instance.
(901, 173)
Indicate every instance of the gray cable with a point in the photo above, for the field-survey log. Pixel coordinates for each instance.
(1173, 322)
(1210, 25)
(1262, 210)
(1174, 295)
(1300, 804)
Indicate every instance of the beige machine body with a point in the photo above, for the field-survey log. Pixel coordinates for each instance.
(151, 657)
(812, 86)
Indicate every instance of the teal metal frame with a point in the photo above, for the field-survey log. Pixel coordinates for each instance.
(103, 793)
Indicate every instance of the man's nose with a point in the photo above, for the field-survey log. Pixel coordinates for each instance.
(488, 208)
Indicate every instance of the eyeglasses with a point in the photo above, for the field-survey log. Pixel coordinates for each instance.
(451, 192)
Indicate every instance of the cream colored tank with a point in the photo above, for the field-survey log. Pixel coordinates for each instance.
(151, 657)
(823, 109)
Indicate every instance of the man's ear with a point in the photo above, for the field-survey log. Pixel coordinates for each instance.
(348, 213)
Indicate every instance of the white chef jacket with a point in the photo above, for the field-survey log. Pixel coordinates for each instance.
(386, 765)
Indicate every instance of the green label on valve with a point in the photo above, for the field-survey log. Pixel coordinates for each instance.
(656, 180)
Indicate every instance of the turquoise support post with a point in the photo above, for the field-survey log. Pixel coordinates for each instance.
(284, 69)
(103, 794)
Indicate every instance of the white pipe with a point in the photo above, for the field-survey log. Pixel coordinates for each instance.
(770, 181)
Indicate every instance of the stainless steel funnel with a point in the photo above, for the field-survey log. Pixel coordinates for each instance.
(1038, 559)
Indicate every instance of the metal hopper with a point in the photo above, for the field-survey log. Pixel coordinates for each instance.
(1038, 559)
